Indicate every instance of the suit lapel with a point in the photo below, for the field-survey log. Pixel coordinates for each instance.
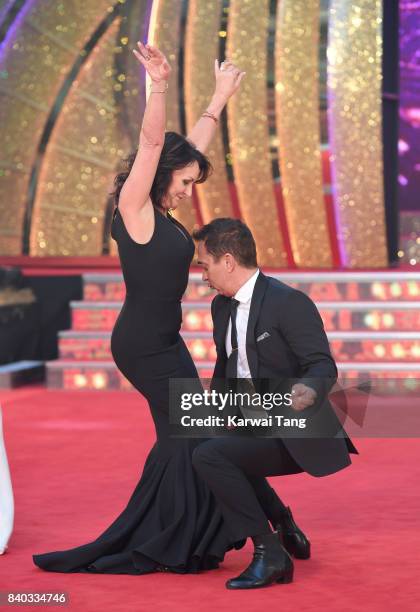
(221, 325)
(254, 311)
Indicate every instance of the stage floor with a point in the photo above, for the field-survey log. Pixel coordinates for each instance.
(75, 458)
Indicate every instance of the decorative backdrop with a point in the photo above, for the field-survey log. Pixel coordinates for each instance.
(298, 154)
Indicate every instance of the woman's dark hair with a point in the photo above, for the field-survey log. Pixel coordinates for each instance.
(177, 153)
(226, 235)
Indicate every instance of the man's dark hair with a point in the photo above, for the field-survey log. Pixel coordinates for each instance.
(225, 235)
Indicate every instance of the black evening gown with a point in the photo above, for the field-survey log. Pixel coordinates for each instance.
(171, 522)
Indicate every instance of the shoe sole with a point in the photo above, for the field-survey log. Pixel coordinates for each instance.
(287, 579)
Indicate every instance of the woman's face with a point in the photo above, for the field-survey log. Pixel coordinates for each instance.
(181, 185)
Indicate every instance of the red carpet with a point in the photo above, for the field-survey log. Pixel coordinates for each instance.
(75, 458)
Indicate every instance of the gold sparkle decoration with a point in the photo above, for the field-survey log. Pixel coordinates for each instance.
(201, 49)
(298, 127)
(80, 160)
(355, 125)
(44, 49)
(164, 33)
(131, 99)
(248, 128)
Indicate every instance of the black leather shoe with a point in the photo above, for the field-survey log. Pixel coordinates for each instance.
(294, 540)
(271, 563)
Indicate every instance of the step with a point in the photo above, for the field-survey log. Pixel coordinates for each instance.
(20, 373)
(84, 346)
(320, 286)
(99, 375)
(102, 375)
(337, 316)
(345, 346)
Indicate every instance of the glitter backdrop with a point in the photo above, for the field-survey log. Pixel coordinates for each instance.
(72, 98)
(355, 125)
(409, 145)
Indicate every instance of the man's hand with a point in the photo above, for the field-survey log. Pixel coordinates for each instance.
(302, 396)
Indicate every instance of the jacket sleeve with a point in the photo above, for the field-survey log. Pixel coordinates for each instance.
(303, 329)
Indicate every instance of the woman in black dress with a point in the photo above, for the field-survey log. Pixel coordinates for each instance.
(171, 521)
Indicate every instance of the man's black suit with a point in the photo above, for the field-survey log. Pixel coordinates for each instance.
(285, 340)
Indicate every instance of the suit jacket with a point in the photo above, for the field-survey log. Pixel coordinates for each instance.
(286, 340)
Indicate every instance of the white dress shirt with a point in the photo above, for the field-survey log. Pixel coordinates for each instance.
(244, 296)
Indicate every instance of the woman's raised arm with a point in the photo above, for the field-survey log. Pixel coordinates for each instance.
(135, 192)
(228, 78)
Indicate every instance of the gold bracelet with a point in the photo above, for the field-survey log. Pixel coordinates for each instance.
(210, 116)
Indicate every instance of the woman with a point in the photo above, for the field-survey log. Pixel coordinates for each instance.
(171, 521)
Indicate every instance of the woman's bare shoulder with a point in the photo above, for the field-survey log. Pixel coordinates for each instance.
(139, 223)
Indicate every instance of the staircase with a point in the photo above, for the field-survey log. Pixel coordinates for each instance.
(372, 320)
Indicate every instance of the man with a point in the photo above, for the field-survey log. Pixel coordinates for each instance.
(264, 330)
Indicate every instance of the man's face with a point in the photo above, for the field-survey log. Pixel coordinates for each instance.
(215, 273)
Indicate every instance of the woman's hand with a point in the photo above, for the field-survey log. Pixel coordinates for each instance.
(154, 61)
(228, 78)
